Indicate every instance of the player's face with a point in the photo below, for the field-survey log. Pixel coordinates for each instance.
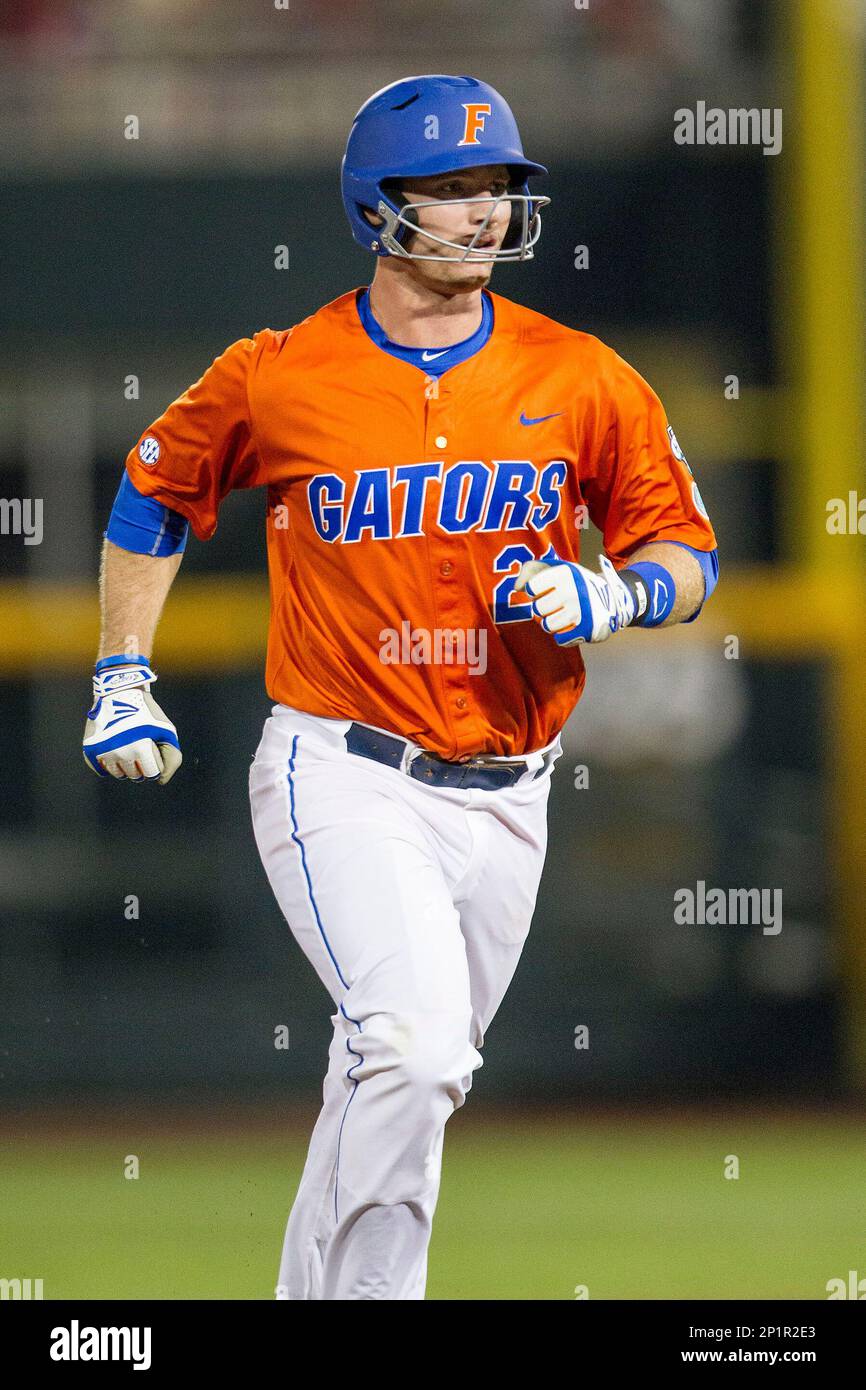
(458, 222)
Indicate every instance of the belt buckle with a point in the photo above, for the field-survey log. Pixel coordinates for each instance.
(430, 760)
(514, 766)
(467, 764)
(409, 757)
(426, 760)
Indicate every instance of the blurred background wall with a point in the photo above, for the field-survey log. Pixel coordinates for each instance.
(140, 949)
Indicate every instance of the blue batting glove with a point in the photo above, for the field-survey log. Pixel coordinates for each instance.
(575, 604)
(127, 735)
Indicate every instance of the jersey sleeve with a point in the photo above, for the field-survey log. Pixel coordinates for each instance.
(202, 446)
(641, 487)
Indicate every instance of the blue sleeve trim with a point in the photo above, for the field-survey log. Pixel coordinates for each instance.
(143, 525)
(709, 563)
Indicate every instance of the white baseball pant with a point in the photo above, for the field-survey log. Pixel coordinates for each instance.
(412, 903)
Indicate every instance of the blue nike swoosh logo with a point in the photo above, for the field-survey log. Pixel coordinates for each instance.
(539, 418)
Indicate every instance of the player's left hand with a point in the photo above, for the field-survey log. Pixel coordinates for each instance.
(127, 736)
(575, 604)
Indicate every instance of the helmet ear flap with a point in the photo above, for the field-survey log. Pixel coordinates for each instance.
(514, 231)
(513, 234)
(391, 190)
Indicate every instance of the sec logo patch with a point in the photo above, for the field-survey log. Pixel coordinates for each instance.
(699, 501)
(148, 451)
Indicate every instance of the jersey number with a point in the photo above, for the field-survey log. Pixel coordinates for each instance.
(511, 558)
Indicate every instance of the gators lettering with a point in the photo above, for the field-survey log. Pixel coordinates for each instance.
(389, 503)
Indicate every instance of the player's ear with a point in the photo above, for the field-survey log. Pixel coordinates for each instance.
(372, 217)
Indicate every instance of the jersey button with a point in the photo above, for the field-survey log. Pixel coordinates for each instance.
(460, 702)
(446, 567)
(441, 442)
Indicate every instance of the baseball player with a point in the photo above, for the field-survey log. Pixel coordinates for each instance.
(431, 451)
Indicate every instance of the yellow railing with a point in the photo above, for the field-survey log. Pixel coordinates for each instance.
(820, 195)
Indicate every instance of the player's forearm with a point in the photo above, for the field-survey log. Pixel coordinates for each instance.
(132, 591)
(685, 572)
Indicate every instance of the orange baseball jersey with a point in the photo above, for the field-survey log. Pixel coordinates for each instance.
(401, 507)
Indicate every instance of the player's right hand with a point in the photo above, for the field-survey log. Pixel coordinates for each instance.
(573, 603)
(127, 735)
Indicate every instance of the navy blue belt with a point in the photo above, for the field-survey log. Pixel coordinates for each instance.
(437, 772)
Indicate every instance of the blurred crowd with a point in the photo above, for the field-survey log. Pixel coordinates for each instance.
(264, 82)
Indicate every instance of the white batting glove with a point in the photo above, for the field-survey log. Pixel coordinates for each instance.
(575, 604)
(127, 735)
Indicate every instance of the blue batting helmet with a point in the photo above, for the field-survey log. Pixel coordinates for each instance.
(432, 125)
